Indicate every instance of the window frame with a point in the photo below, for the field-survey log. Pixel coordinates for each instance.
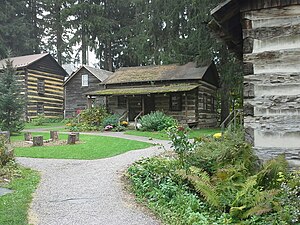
(121, 99)
(40, 86)
(40, 108)
(175, 98)
(84, 80)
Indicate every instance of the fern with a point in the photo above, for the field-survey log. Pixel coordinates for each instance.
(268, 175)
(202, 184)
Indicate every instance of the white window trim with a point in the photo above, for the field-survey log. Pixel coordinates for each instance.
(85, 80)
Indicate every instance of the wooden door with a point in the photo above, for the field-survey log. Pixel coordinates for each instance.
(149, 104)
(134, 106)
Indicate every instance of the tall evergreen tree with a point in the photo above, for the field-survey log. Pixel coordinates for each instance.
(14, 28)
(56, 25)
(11, 101)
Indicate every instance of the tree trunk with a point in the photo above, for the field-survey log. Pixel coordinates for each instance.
(225, 106)
(27, 136)
(54, 135)
(84, 46)
(71, 139)
(59, 32)
(38, 141)
(77, 135)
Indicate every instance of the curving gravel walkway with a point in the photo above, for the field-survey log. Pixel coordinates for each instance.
(88, 192)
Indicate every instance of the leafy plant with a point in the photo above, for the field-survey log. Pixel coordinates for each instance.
(89, 119)
(157, 121)
(6, 152)
(231, 186)
(39, 120)
(112, 120)
(181, 143)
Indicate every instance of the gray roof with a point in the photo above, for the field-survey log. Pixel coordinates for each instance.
(24, 61)
(188, 71)
(100, 74)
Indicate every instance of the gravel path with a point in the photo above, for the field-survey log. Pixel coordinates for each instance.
(88, 192)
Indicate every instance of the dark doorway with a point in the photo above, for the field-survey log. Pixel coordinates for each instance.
(134, 106)
(149, 104)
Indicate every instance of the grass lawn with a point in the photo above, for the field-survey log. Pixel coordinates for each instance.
(46, 125)
(91, 147)
(162, 135)
(14, 206)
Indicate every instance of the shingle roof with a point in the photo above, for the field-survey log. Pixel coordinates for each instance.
(24, 61)
(157, 73)
(100, 74)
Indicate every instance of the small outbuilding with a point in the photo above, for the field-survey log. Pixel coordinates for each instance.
(185, 92)
(41, 80)
(84, 79)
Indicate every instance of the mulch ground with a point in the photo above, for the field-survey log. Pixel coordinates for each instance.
(28, 144)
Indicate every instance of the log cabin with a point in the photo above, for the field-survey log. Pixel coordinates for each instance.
(41, 79)
(84, 79)
(266, 36)
(185, 92)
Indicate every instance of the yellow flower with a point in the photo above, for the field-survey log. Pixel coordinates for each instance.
(124, 123)
(217, 135)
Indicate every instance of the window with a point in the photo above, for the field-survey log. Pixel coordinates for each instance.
(41, 86)
(122, 103)
(204, 101)
(85, 80)
(40, 108)
(176, 102)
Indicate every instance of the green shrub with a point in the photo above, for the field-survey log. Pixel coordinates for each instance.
(157, 121)
(39, 120)
(112, 120)
(222, 183)
(6, 152)
(93, 116)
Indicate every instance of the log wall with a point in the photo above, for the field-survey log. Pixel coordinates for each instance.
(198, 105)
(272, 82)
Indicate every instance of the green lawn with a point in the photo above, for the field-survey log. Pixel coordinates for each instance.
(91, 147)
(46, 125)
(14, 206)
(162, 135)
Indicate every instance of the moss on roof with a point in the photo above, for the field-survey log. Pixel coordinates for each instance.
(188, 71)
(146, 90)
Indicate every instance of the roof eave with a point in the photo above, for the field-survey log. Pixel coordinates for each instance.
(226, 25)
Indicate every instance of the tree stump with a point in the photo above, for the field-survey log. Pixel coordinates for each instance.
(77, 135)
(5, 135)
(38, 141)
(71, 139)
(27, 136)
(54, 135)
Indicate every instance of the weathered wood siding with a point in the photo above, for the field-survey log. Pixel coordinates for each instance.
(272, 94)
(207, 106)
(48, 97)
(197, 105)
(75, 98)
